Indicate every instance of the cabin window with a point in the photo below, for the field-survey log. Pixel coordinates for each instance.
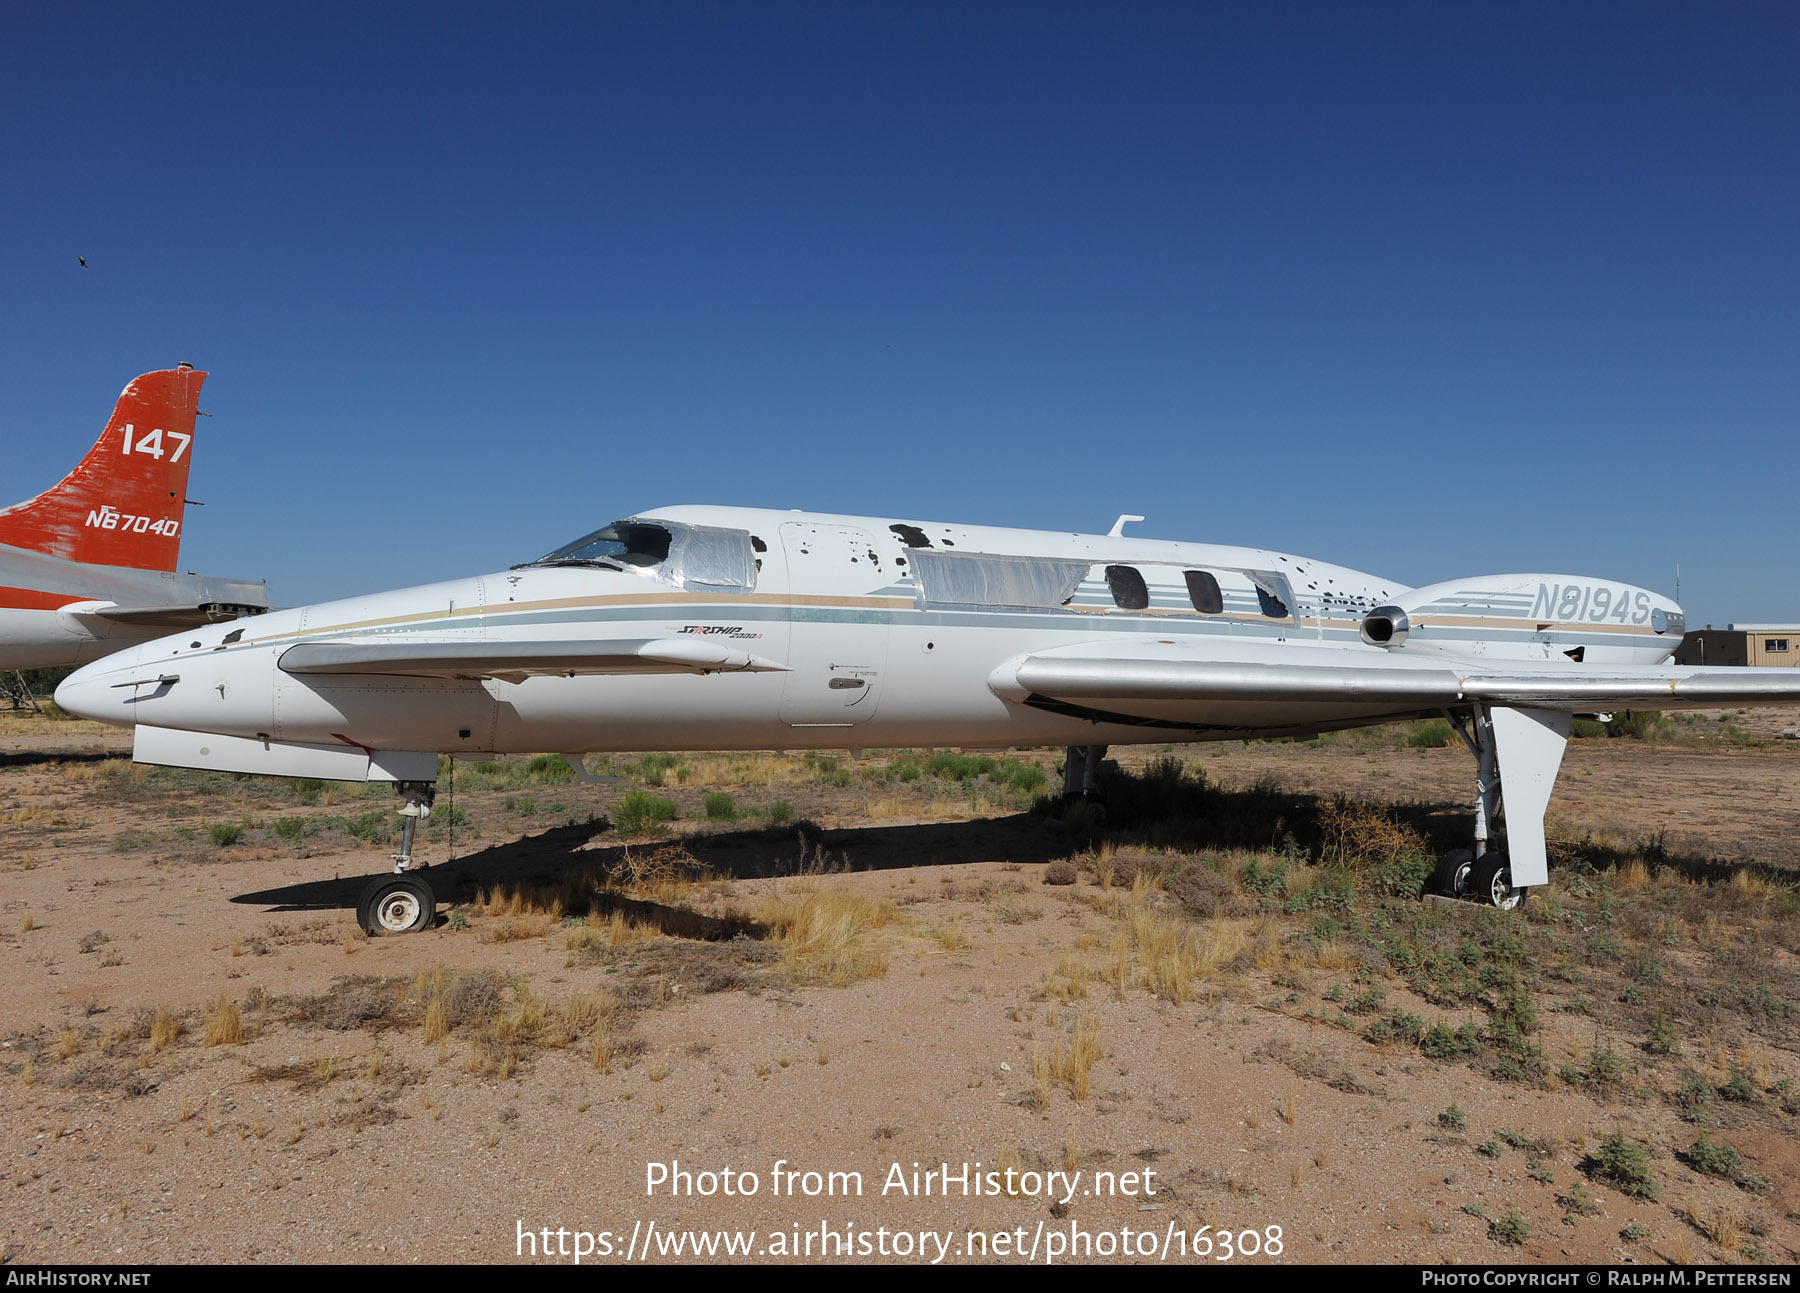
(1775, 646)
(1203, 591)
(979, 579)
(1271, 593)
(1129, 592)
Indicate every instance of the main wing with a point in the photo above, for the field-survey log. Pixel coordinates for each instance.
(1253, 687)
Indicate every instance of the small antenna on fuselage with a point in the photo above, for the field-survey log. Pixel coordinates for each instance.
(1118, 530)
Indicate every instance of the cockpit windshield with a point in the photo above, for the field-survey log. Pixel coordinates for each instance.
(686, 556)
(625, 543)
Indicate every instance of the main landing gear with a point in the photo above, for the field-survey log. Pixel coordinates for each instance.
(401, 903)
(1479, 874)
(1081, 783)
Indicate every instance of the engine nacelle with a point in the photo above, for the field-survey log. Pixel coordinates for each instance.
(1530, 617)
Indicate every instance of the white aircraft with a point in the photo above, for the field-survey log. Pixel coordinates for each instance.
(708, 628)
(88, 566)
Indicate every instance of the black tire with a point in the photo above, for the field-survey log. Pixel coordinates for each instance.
(1451, 879)
(1490, 882)
(396, 904)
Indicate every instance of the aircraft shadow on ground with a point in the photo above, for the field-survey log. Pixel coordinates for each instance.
(563, 854)
(1256, 819)
(31, 758)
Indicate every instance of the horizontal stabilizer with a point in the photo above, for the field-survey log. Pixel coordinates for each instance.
(515, 661)
(151, 617)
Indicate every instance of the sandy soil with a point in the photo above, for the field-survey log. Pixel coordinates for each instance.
(337, 1132)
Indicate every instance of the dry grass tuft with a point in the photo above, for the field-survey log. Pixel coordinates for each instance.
(1042, 1079)
(437, 1019)
(1335, 955)
(1071, 1064)
(950, 936)
(164, 1029)
(826, 935)
(1723, 1225)
(224, 1026)
(1067, 982)
(1174, 955)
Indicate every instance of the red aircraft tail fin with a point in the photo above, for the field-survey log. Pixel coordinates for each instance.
(123, 503)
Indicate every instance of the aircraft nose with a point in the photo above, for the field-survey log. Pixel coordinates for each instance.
(90, 692)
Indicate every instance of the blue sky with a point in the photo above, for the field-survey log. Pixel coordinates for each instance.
(1426, 289)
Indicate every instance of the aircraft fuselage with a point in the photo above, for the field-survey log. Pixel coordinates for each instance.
(870, 632)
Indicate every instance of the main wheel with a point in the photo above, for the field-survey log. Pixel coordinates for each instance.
(1490, 882)
(396, 904)
(1452, 875)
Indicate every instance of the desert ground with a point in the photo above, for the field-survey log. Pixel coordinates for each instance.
(1224, 1012)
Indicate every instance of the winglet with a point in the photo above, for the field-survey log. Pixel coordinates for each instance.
(123, 504)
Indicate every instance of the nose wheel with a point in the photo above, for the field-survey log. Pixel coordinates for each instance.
(396, 904)
(401, 903)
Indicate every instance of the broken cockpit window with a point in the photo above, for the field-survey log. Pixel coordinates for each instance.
(687, 556)
(622, 544)
(978, 579)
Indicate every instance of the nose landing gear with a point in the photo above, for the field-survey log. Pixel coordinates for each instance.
(401, 903)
